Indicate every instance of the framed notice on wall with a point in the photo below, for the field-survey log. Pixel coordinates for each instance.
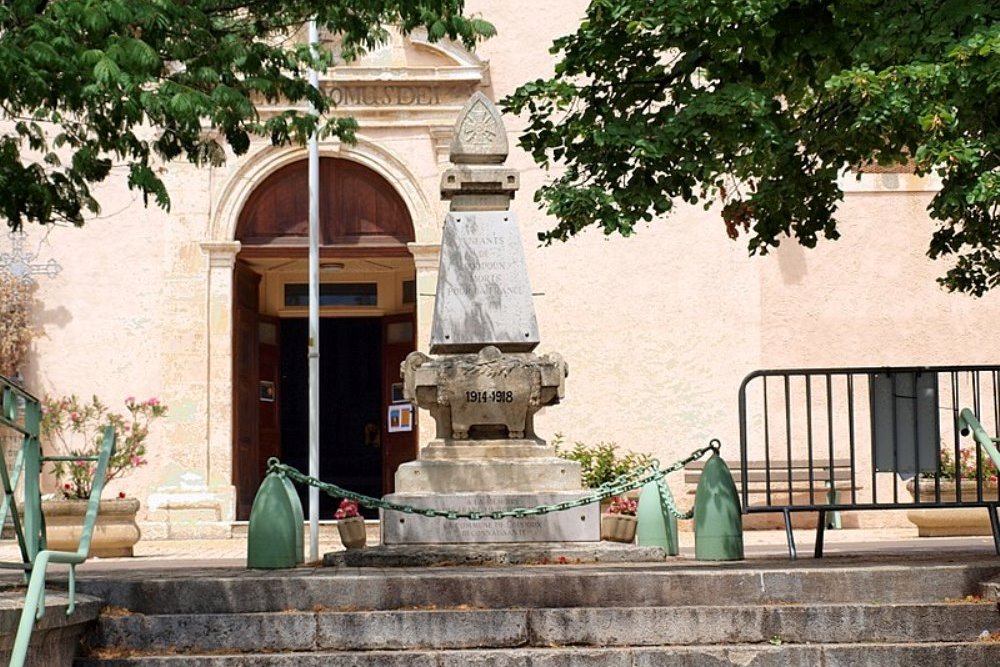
(267, 391)
(400, 417)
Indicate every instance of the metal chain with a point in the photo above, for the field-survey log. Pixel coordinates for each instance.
(632, 479)
(667, 503)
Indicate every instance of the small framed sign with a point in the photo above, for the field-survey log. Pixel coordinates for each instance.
(400, 417)
(267, 391)
(397, 392)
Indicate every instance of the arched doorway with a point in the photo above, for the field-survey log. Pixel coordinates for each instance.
(367, 327)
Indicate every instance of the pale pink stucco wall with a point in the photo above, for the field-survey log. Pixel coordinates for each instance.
(658, 329)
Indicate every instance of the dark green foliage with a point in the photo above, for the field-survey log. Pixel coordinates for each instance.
(761, 104)
(601, 463)
(89, 85)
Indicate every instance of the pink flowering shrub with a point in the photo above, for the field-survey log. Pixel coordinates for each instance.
(623, 505)
(347, 509)
(968, 465)
(71, 427)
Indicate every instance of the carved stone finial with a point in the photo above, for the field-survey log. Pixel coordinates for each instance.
(478, 181)
(480, 137)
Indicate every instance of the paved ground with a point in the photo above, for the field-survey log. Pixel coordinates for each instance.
(760, 545)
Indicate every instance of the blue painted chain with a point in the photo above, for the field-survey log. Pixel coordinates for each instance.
(633, 479)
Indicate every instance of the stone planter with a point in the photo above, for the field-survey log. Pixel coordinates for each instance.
(618, 527)
(115, 533)
(352, 532)
(951, 522)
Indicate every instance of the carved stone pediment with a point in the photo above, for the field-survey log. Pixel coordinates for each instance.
(407, 81)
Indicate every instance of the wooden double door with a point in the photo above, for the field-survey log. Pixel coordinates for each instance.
(359, 364)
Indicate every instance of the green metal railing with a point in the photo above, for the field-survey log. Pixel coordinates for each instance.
(967, 421)
(22, 413)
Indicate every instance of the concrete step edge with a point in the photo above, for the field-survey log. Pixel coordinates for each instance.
(531, 587)
(506, 628)
(968, 654)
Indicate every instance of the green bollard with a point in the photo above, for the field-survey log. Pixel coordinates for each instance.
(271, 542)
(718, 522)
(657, 524)
(298, 518)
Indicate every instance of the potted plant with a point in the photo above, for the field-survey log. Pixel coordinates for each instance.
(954, 475)
(71, 427)
(619, 522)
(350, 525)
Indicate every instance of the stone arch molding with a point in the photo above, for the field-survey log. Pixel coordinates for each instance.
(252, 173)
(408, 82)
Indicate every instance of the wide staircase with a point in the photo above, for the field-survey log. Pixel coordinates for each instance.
(905, 612)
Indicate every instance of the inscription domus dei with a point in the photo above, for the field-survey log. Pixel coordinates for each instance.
(391, 94)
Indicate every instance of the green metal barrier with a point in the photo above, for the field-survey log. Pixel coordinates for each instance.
(22, 412)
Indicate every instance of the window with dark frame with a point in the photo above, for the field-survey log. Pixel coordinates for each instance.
(332, 294)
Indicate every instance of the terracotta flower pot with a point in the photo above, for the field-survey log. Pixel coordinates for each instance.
(618, 527)
(115, 532)
(352, 532)
(951, 521)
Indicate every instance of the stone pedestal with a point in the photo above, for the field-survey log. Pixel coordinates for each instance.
(486, 456)
(477, 477)
(582, 524)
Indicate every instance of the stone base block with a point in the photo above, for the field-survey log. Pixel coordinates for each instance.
(479, 476)
(180, 513)
(581, 524)
(453, 555)
(203, 530)
(451, 450)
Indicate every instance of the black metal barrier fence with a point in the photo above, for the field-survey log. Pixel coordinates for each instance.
(834, 439)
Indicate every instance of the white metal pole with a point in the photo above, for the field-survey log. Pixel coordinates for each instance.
(313, 318)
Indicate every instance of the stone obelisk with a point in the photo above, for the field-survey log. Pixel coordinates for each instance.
(484, 384)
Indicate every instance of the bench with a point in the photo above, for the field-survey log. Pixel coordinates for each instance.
(787, 482)
(784, 477)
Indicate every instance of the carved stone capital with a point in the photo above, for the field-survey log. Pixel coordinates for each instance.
(221, 254)
(487, 395)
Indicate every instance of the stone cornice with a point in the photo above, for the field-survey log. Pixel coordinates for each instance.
(221, 254)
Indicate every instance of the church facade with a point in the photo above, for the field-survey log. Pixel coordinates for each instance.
(204, 306)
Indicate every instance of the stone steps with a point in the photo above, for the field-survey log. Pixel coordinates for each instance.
(510, 628)
(221, 590)
(726, 614)
(851, 655)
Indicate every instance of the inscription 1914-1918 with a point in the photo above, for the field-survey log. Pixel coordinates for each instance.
(498, 396)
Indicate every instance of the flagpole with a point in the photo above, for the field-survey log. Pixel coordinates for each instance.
(313, 317)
